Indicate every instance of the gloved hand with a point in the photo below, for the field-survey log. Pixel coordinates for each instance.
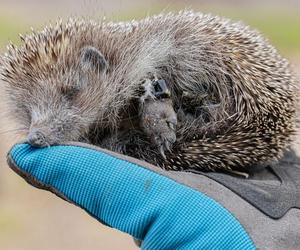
(131, 196)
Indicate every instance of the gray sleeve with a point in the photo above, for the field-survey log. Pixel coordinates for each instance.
(280, 186)
(265, 231)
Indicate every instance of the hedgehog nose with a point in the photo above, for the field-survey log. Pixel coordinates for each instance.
(36, 139)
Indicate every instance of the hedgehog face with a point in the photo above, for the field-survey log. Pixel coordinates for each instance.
(50, 126)
(65, 114)
(62, 105)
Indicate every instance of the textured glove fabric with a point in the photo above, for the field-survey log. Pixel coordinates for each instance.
(152, 208)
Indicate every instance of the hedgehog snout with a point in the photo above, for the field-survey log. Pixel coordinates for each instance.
(37, 139)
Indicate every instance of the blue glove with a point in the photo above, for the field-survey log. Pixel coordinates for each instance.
(131, 196)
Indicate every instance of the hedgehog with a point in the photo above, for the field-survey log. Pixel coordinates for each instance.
(184, 91)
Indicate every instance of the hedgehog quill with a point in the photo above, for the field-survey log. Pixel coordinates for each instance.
(179, 90)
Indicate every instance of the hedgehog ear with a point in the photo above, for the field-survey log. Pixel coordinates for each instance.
(91, 59)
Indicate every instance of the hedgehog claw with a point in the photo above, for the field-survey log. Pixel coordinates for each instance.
(162, 152)
(167, 146)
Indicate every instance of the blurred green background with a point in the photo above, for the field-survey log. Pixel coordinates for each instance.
(33, 219)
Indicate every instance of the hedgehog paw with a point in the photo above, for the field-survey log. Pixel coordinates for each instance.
(159, 120)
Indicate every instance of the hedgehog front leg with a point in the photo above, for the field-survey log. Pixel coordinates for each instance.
(158, 118)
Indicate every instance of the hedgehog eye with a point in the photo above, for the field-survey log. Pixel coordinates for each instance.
(69, 92)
